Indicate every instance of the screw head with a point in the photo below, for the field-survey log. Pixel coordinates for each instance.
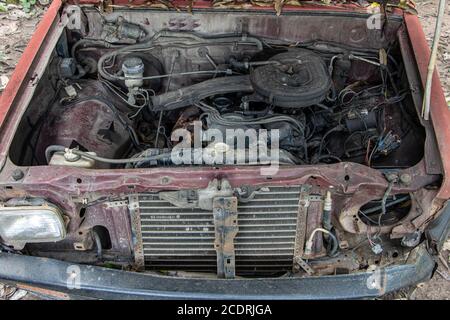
(405, 178)
(17, 174)
(165, 180)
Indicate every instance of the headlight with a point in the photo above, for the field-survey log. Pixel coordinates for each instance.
(24, 224)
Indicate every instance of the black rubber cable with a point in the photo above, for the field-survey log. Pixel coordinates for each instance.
(332, 251)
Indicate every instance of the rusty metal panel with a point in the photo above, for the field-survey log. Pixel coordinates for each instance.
(28, 57)
(135, 216)
(440, 114)
(225, 228)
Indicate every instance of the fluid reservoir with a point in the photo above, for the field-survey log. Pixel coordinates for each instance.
(133, 70)
(58, 159)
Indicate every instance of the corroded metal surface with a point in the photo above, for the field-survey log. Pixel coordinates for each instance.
(138, 248)
(226, 227)
(303, 205)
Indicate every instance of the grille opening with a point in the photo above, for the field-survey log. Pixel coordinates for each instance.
(397, 207)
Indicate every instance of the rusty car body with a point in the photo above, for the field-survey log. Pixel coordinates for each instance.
(331, 222)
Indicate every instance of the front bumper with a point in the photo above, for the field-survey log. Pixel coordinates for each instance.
(102, 283)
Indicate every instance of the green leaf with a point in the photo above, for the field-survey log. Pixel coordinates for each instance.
(27, 4)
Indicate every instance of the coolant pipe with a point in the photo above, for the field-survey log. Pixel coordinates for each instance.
(432, 63)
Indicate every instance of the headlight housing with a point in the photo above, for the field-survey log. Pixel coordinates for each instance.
(22, 224)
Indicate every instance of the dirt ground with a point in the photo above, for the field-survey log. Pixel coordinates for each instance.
(427, 13)
(16, 28)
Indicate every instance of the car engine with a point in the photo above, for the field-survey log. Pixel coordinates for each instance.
(329, 103)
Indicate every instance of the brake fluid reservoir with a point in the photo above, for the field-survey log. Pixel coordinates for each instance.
(133, 70)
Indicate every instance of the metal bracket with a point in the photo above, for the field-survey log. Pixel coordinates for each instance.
(226, 228)
(135, 217)
(201, 198)
(115, 204)
(299, 262)
(303, 204)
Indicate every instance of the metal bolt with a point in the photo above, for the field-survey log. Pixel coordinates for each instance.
(17, 174)
(165, 180)
(405, 178)
(391, 177)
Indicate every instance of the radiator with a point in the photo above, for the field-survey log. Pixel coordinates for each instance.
(176, 238)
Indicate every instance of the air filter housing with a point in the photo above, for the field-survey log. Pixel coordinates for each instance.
(297, 78)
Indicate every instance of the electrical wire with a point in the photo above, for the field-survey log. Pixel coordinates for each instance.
(169, 81)
(195, 41)
(335, 243)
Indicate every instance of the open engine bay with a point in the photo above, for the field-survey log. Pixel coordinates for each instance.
(129, 90)
(120, 87)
